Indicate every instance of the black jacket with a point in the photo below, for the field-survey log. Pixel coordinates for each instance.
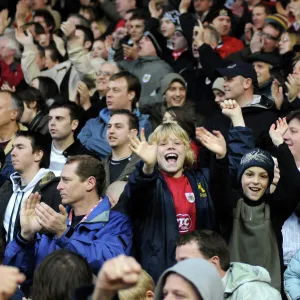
(46, 187)
(40, 123)
(78, 149)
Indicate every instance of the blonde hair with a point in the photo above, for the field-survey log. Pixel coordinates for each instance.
(162, 133)
(138, 292)
(294, 38)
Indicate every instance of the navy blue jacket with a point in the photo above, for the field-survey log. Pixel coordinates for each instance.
(148, 201)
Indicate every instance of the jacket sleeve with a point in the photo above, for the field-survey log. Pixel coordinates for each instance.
(286, 195)
(21, 254)
(28, 63)
(139, 192)
(210, 60)
(219, 187)
(113, 238)
(292, 278)
(30, 67)
(85, 132)
(240, 140)
(187, 22)
(82, 63)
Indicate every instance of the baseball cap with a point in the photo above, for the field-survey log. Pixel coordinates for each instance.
(239, 69)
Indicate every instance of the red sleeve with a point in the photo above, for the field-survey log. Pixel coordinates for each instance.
(13, 78)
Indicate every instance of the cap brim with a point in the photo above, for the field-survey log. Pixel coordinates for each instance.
(226, 72)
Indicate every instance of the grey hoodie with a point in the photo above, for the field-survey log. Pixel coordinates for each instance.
(198, 272)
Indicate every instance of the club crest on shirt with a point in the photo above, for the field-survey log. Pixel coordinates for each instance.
(146, 77)
(190, 197)
(184, 222)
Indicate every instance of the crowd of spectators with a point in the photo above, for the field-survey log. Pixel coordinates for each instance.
(149, 149)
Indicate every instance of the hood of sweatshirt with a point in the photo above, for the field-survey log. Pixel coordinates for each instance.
(200, 273)
(239, 274)
(16, 180)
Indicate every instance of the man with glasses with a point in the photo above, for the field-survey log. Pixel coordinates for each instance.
(264, 41)
(93, 105)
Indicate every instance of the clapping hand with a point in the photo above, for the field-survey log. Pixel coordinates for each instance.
(278, 130)
(130, 51)
(277, 93)
(84, 96)
(214, 142)
(293, 87)
(28, 217)
(50, 220)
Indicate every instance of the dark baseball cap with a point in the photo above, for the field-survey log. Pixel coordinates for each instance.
(239, 69)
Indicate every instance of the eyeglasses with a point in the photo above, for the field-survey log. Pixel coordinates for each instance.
(284, 40)
(269, 36)
(99, 73)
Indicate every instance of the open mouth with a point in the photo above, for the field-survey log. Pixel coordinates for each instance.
(254, 189)
(171, 158)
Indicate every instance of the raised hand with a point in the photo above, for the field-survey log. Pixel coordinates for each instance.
(6, 87)
(9, 280)
(121, 272)
(238, 8)
(28, 217)
(50, 220)
(278, 130)
(248, 32)
(4, 20)
(108, 42)
(277, 93)
(232, 110)
(214, 142)
(21, 11)
(198, 34)
(22, 38)
(68, 28)
(293, 87)
(118, 35)
(184, 6)
(256, 43)
(144, 150)
(155, 13)
(84, 96)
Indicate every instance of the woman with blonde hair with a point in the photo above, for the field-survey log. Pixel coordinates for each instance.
(288, 41)
(165, 197)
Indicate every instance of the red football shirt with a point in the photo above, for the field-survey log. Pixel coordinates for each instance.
(184, 202)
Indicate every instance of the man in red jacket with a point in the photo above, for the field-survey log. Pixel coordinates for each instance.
(10, 71)
(220, 18)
